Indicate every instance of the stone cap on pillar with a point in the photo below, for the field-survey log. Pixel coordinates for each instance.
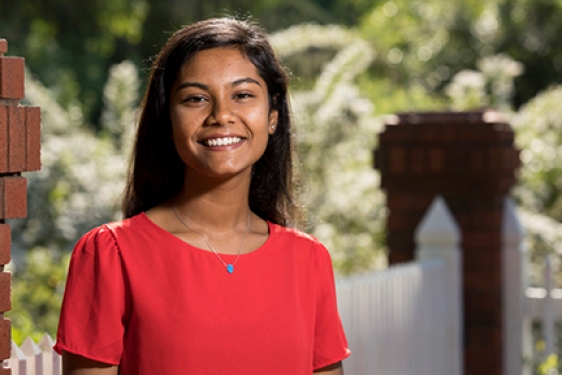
(424, 148)
(488, 116)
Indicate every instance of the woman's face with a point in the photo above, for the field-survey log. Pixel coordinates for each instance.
(220, 114)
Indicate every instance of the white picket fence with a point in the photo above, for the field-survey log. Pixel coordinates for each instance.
(407, 319)
(35, 359)
(545, 305)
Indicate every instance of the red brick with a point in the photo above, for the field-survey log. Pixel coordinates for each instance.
(483, 220)
(396, 257)
(3, 139)
(5, 291)
(16, 139)
(401, 245)
(483, 336)
(13, 197)
(483, 306)
(471, 162)
(417, 160)
(397, 160)
(511, 159)
(482, 259)
(487, 240)
(395, 134)
(5, 338)
(5, 243)
(3, 46)
(436, 160)
(483, 361)
(483, 279)
(33, 138)
(397, 221)
(414, 201)
(12, 78)
(477, 162)
(494, 158)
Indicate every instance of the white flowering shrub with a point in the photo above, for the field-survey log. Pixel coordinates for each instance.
(467, 90)
(499, 72)
(337, 132)
(489, 86)
(538, 127)
(78, 187)
(82, 174)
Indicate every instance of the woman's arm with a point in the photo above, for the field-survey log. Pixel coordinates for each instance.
(73, 364)
(335, 369)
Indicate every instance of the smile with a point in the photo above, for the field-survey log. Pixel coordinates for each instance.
(227, 141)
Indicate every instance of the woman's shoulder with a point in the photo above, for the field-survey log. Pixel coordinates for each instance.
(309, 249)
(108, 234)
(297, 236)
(294, 233)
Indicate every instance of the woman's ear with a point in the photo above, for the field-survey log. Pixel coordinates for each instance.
(272, 125)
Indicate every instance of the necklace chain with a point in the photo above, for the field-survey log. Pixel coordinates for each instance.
(229, 266)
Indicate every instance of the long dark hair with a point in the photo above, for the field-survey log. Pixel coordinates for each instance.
(156, 172)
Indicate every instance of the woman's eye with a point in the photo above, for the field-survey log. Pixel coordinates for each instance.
(244, 95)
(194, 99)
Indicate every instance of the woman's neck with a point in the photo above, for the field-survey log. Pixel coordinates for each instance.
(221, 205)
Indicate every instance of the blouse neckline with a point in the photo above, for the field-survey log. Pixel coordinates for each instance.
(270, 229)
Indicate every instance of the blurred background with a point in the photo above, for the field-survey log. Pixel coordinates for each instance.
(352, 63)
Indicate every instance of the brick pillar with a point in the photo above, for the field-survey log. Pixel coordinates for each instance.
(20, 143)
(469, 158)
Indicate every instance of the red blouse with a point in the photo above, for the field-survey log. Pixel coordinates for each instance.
(141, 298)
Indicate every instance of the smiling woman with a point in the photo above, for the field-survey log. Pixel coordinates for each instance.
(219, 109)
(206, 274)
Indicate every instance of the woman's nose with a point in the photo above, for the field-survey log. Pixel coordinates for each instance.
(222, 113)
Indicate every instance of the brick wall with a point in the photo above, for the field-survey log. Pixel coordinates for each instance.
(20, 143)
(470, 159)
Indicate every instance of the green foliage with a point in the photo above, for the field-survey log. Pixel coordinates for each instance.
(37, 294)
(336, 131)
(549, 366)
(70, 45)
(426, 42)
(82, 173)
(539, 135)
(77, 188)
(538, 127)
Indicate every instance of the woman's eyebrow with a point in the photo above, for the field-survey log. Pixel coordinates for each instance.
(245, 80)
(205, 87)
(192, 84)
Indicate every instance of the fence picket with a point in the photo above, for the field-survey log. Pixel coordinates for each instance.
(548, 330)
(35, 359)
(18, 361)
(34, 356)
(51, 359)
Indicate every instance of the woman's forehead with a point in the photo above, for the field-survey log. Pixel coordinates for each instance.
(224, 64)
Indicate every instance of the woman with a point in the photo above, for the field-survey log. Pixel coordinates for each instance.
(205, 275)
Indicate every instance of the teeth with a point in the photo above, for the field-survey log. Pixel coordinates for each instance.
(222, 141)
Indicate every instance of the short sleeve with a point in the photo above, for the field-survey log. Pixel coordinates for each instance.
(93, 311)
(330, 343)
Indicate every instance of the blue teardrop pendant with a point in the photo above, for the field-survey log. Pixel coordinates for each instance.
(230, 268)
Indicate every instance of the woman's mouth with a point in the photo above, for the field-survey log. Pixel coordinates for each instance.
(225, 141)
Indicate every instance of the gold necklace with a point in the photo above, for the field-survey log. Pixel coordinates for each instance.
(229, 266)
